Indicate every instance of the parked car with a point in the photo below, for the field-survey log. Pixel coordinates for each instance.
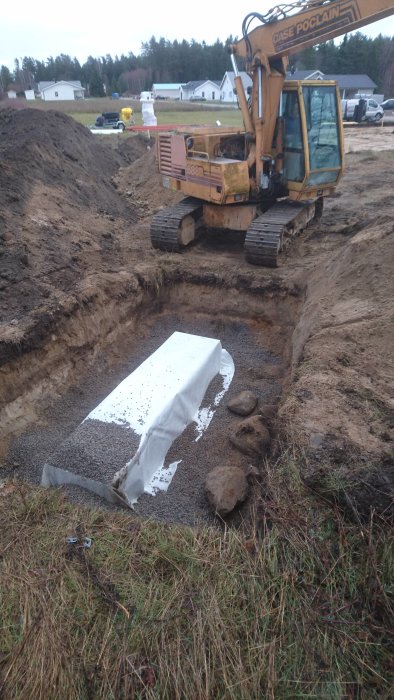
(388, 105)
(196, 98)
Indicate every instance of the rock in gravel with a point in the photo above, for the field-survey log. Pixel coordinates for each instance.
(225, 487)
(243, 404)
(252, 437)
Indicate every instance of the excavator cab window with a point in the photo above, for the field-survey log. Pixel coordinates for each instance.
(312, 112)
(322, 121)
(294, 162)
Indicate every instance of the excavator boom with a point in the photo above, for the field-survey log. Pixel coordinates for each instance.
(282, 33)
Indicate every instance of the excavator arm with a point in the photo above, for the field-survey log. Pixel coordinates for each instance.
(287, 29)
(283, 33)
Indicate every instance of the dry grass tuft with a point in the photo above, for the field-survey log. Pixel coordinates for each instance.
(295, 606)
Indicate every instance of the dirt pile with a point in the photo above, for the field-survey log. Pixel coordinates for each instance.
(140, 181)
(341, 405)
(61, 216)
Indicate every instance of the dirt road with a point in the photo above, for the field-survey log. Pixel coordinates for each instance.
(83, 296)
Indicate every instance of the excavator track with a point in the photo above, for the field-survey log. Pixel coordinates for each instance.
(268, 234)
(165, 231)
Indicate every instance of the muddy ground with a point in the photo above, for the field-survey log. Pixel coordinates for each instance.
(84, 299)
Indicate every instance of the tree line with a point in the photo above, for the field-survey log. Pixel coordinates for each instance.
(163, 61)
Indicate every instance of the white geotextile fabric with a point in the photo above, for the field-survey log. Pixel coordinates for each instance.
(157, 401)
(162, 396)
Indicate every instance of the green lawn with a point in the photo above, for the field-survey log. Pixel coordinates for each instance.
(227, 117)
(167, 112)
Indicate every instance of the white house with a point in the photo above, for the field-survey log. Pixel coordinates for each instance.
(201, 89)
(43, 84)
(227, 86)
(63, 90)
(166, 91)
(11, 94)
(30, 95)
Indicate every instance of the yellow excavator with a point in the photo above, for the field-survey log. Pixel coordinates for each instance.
(268, 179)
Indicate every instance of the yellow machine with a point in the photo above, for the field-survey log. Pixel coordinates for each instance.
(268, 179)
(127, 115)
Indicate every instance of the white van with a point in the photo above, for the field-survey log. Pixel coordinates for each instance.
(371, 111)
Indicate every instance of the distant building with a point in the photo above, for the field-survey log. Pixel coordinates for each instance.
(43, 84)
(305, 75)
(166, 91)
(227, 86)
(62, 90)
(349, 85)
(212, 90)
(11, 94)
(201, 90)
(29, 94)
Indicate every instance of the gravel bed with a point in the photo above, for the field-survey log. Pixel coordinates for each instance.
(97, 450)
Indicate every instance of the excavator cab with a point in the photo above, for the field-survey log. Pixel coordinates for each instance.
(216, 169)
(312, 139)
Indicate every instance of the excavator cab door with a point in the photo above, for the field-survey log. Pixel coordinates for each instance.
(313, 138)
(323, 127)
(294, 149)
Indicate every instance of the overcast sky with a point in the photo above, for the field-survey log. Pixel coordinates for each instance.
(41, 29)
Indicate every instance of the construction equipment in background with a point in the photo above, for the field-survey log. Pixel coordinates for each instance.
(270, 178)
(115, 120)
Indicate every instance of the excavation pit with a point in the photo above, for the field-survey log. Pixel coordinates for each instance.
(84, 298)
(254, 328)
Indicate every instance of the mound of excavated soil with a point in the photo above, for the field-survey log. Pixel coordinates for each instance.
(341, 404)
(61, 218)
(51, 149)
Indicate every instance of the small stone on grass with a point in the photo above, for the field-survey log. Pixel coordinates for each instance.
(225, 488)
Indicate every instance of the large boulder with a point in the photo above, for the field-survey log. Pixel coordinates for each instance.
(243, 404)
(225, 488)
(252, 437)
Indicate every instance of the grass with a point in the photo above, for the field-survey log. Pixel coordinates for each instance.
(295, 605)
(226, 117)
(86, 111)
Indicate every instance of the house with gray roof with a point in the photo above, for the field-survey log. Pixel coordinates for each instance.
(201, 90)
(349, 85)
(43, 84)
